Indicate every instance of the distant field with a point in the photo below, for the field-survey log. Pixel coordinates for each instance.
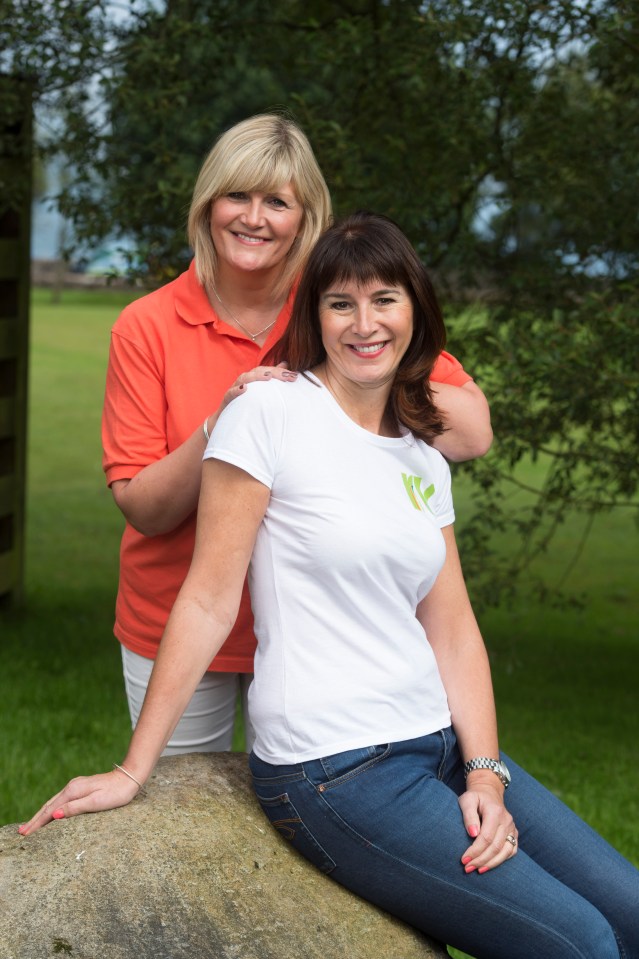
(566, 681)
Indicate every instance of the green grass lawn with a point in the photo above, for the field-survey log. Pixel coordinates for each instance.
(566, 680)
(63, 706)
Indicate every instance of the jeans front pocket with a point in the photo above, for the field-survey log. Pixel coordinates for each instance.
(342, 767)
(285, 818)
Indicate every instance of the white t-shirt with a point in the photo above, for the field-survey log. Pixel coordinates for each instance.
(350, 543)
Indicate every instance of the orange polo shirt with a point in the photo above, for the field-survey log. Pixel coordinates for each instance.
(171, 361)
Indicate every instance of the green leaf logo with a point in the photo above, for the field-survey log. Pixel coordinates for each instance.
(418, 497)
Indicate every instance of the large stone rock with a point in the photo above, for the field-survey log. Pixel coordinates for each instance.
(191, 870)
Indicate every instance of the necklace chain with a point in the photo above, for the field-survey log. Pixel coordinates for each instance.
(253, 336)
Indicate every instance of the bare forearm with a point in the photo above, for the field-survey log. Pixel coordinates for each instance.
(163, 494)
(451, 628)
(176, 673)
(466, 675)
(466, 416)
(193, 636)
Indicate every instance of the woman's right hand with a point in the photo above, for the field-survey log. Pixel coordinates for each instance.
(279, 372)
(84, 794)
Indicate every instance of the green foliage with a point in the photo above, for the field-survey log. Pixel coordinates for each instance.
(564, 389)
(501, 134)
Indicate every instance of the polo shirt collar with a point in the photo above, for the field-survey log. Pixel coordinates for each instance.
(191, 302)
(192, 305)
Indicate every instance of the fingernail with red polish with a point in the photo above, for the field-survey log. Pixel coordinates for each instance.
(473, 831)
(58, 814)
(466, 860)
(483, 869)
(21, 829)
(470, 869)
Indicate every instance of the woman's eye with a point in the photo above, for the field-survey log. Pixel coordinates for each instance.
(236, 196)
(385, 300)
(340, 305)
(278, 202)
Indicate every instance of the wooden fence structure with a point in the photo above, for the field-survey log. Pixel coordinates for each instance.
(15, 230)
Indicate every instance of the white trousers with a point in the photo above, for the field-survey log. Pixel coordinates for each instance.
(207, 723)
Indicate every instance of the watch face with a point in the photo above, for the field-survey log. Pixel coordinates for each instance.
(504, 770)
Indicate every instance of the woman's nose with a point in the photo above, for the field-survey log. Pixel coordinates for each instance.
(253, 214)
(364, 322)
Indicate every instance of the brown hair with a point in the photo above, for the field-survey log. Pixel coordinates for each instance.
(361, 248)
(264, 153)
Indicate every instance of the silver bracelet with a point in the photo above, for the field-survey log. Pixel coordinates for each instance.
(130, 775)
(205, 429)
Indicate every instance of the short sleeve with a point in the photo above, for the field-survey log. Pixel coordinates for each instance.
(134, 414)
(449, 370)
(442, 500)
(250, 431)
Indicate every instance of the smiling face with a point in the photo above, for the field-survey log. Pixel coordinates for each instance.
(366, 329)
(254, 231)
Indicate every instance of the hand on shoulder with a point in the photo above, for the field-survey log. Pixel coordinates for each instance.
(258, 374)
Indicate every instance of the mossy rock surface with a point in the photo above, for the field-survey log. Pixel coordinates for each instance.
(191, 870)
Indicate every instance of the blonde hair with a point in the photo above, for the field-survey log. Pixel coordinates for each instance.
(263, 153)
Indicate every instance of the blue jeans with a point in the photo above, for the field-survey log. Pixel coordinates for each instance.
(384, 822)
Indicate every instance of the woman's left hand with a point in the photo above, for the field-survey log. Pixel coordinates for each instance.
(491, 826)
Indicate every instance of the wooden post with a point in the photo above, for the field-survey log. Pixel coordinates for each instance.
(15, 230)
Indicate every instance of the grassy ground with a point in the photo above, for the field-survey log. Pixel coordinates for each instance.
(565, 680)
(63, 706)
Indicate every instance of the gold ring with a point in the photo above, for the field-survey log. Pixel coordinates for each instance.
(511, 839)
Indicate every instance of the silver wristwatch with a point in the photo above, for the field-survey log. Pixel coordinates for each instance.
(499, 768)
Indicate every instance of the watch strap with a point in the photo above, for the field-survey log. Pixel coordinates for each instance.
(485, 762)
